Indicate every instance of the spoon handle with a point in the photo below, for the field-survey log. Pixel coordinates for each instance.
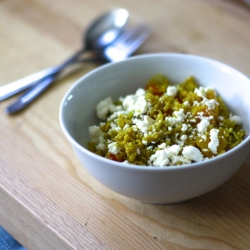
(30, 95)
(34, 91)
(15, 87)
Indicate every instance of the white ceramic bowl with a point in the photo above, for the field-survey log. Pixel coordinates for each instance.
(155, 184)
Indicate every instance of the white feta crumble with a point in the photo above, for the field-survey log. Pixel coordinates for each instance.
(114, 126)
(186, 103)
(159, 158)
(204, 137)
(136, 103)
(113, 148)
(126, 126)
(183, 137)
(116, 114)
(174, 149)
(192, 153)
(236, 119)
(97, 137)
(201, 91)
(144, 124)
(126, 162)
(210, 103)
(140, 92)
(179, 158)
(214, 140)
(167, 157)
(134, 127)
(102, 108)
(113, 108)
(172, 91)
(161, 146)
(101, 146)
(184, 127)
(202, 125)
(178, 117)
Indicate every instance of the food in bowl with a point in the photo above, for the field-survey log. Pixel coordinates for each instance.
(165, 125)
(158, 185)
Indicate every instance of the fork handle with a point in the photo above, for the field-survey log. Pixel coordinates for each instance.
(30, 95)
(15, 87)
(34, 91)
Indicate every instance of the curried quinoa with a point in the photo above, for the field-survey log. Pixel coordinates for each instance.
(165, 125)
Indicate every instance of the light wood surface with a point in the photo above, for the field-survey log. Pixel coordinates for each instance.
(48, 200)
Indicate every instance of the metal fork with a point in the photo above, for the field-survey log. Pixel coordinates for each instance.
(121, 49)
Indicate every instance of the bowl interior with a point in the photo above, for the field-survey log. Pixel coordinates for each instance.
(78, 108)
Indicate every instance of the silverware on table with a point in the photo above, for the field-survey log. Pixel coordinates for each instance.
(123, 47)
(103, 31)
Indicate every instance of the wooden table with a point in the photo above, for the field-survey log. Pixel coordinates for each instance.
(48, 200)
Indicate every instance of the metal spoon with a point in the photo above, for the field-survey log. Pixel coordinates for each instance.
(102, 32)
(124, 46)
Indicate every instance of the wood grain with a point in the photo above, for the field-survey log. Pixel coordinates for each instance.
(65, 206)
(48, 200)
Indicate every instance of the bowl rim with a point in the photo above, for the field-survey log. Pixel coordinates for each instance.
(139, 167)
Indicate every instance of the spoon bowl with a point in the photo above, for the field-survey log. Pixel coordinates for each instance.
(99, 36)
